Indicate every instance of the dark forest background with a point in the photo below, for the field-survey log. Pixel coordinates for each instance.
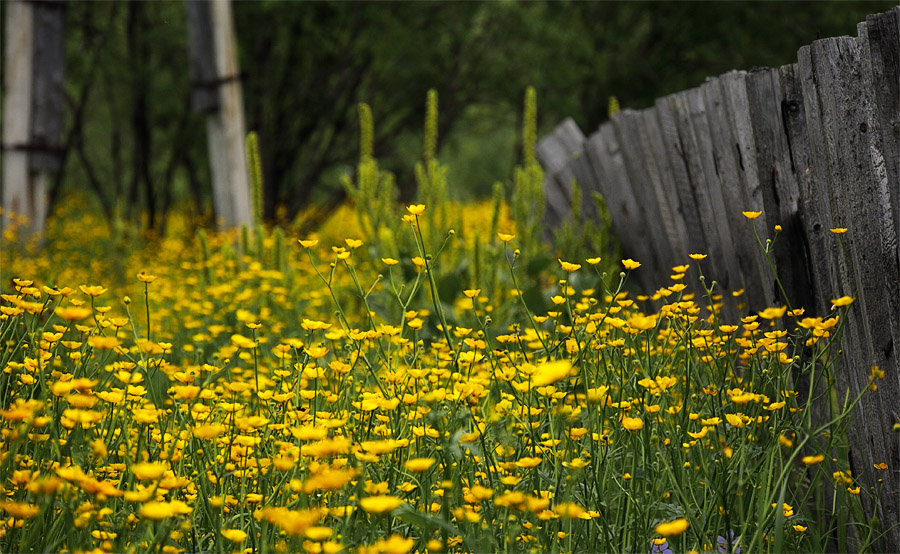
(132, 141)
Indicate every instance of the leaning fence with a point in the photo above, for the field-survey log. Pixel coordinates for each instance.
(814, 146)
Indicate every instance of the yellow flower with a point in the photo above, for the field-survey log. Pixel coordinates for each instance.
(630, 264)
(751, 215)
(145, 277)
(418, 465)
(93, 290)
(471, 293)
(799, 528)
(697, 257)
(570, 267)
(209, 431)
(593, 261)
(551, 372)
(353, 243)
(328, 480)
(316, 352)
(773, 313)
(162, 510)
(389, 261)
(569, 510)
(632, 423)
(73, 313)
(416, 209)
(839, 230)
(786, 508)
(529, 462)
(853, 491)
(20, 510)
(504, 237)
(395, 544)
(380, 504)
(308, 243)
(234, 535)
(319, 533)
(735, 420)
(292, 522)
(149, 471)
(243, 342)
(881, 466)
(841, 302)
(642, 323)
(104, 343)
(673, 528)
(813, 460)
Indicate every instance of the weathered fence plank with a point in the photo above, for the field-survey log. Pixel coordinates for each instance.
(778, 185)
(860, 201)
(664, 238)
(628, 218)
(730, 279)
(674, 166)
(688, 106)
(555, 151)
(753, 193)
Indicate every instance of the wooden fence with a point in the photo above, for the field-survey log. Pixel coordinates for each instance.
(814, 145)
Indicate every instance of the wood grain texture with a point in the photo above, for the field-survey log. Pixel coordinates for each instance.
(628, 216)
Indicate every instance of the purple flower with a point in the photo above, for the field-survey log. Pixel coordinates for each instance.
(724, 542)
(662, 548)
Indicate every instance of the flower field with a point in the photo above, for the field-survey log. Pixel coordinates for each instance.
(424, 391)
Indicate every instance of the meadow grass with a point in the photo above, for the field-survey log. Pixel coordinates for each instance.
(412, 391)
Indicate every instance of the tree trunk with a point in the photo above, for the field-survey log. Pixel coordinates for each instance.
(33, 107)
(217, 92)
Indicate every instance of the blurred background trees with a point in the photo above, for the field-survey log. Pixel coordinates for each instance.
(132, 141)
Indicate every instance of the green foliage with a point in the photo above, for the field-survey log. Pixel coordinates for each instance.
(613, 106)
(431, 178)
(375, 190)
(579, 237)
(254, 167)
(528, 200)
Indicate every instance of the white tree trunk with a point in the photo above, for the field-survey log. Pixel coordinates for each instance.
(225, 127)
(20, 197)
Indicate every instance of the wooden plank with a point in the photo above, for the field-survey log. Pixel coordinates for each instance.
(603, 151)
(663, 187)
(857, 187)
(884, 47)
(686, 106)
(814, 238)
(737, 109)
(555, 151)
(708, 187)
(640, 163)
(778, 186)
(727, 164)
(879, 265)
(814, 201)
(712, 188)
(673, 163)
(584, 174)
